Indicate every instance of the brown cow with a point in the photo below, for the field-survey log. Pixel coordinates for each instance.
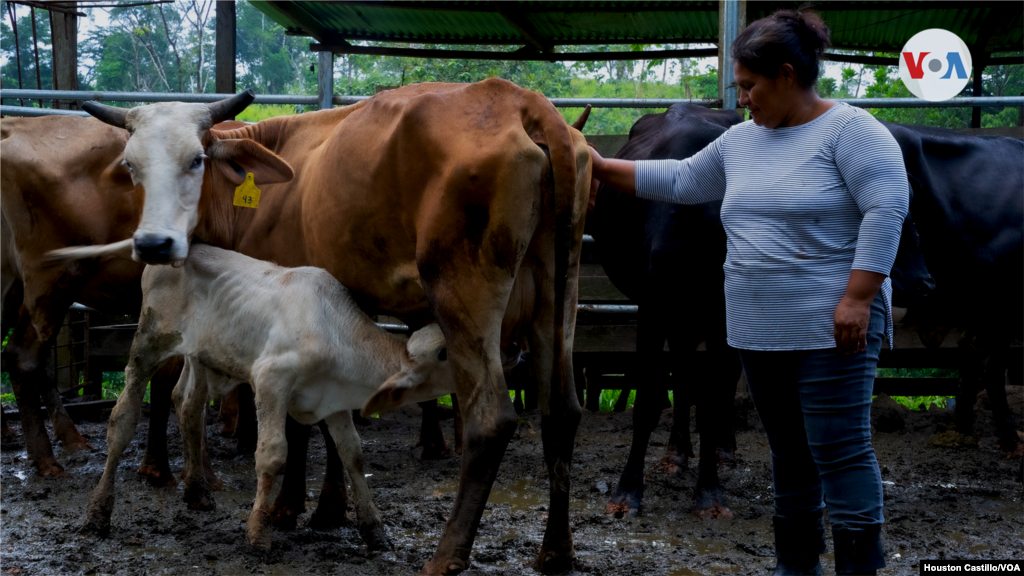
(463, 203)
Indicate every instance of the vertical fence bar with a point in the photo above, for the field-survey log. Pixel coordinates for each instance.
(225, 48)
(17, 45)
(35, 50)
(325, 79)
(729, 28)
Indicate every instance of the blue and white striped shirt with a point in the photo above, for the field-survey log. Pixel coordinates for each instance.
(802, 206)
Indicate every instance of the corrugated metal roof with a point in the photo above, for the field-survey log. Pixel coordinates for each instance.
(870, 25)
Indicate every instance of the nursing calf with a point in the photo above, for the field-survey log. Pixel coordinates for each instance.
(297, 335)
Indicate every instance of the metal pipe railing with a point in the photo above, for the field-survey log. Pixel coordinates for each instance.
(342, 100)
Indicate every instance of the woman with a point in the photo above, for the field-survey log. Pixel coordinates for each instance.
(814, 195)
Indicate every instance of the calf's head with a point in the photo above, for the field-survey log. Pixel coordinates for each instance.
(426, 373)
(168, 153)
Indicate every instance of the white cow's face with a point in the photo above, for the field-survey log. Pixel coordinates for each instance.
(165, 155)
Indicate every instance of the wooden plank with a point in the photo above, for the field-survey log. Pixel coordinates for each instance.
(225, 48)
(64, 34)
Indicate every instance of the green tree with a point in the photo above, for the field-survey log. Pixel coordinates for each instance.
(9, 71)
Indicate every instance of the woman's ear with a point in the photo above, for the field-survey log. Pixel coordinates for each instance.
(787, 72)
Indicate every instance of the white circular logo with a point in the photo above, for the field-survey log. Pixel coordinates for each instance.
(935, 65)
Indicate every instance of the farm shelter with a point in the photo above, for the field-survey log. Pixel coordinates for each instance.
(607, 322)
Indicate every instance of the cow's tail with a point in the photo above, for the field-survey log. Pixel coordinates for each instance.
(563, 166)
(122, 248)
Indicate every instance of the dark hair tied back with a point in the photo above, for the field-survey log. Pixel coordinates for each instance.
(797, 38)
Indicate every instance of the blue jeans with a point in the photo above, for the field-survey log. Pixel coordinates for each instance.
(816, 408)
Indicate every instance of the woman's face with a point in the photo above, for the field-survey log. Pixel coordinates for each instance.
(768, 99)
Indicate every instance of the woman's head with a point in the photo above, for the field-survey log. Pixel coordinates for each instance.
(775, 59)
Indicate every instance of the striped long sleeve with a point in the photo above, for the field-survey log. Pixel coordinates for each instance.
(801, 207)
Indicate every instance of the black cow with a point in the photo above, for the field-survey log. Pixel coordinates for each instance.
(967, 214)
(668, 259)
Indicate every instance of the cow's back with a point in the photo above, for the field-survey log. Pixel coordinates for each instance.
(653, 251)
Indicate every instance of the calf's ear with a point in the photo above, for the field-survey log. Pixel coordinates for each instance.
(236, 158)
(392, 393)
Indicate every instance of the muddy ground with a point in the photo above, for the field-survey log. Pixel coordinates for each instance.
(939, 502)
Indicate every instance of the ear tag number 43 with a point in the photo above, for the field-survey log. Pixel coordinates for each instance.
(247, 195)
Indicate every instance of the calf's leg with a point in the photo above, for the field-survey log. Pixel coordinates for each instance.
(155, 467)
(120, 430)
(271, 386)
(431, 436)
(347, 442)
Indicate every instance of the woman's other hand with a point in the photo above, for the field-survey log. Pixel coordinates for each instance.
(854, 311)
(851, 325)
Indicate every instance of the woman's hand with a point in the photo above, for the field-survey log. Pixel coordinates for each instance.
(619, 174)
(854, 311)
(851, 325)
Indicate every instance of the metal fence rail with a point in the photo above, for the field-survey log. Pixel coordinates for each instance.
(340, 100)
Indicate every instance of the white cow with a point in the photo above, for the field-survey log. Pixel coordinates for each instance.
(298, 337)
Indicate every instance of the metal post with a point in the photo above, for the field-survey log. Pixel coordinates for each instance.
(728, 22)
(325, 79)
(979, 66)
(225, 49)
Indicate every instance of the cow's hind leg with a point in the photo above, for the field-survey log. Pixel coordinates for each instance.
(120, 430)
(348, 444)
(190, 400)
(26, 373)
(156, 468)
(332, 508)
(291, 500)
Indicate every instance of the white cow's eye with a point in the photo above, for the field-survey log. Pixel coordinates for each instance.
(197, 161)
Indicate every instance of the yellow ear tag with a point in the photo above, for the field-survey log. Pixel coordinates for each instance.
(247, 195)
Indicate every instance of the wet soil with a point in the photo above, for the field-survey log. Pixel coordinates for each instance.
(939, 502)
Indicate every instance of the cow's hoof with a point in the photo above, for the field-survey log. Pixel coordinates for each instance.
(95, 526)
(285, 518)
(623, 506)
(200, 499)
(554, 559)
(257, 531)
(215, 483)
(710, 504)
(674, 462)
(444, 566)
(49, 468)
(321, 520)
(157, 476)
(375, 537)
(435, 452)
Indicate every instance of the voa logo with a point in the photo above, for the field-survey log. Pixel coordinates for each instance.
(935, 65)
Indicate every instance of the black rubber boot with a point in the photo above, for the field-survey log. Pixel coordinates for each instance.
(858, 551)
(798, 542)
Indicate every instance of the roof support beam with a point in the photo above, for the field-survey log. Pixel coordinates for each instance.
(521, 23)
(516, 56)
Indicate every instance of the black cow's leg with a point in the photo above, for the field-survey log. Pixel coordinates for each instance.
(714, 415)
(650, 401)
(155, 467)
(680, 448)
(291, 500)
(246, 431)
(996, 349)
(431, 436)
(332, 508)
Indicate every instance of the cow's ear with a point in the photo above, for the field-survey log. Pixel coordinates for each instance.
(392, 393)
(236, 158)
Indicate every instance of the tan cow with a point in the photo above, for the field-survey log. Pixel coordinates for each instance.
(460, 202)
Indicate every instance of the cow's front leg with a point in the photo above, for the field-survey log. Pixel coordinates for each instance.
(348, 444)
(155, 467)
(332, 508)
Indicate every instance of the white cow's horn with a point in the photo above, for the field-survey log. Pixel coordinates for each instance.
(230, 107)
